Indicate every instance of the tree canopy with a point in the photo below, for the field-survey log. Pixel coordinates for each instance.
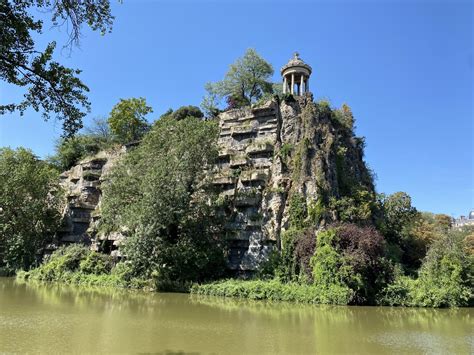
(127, 119)
(50, 87)
(158, 195)
(29, 206)
(247, 80)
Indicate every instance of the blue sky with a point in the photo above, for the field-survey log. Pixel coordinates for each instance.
(404, 67)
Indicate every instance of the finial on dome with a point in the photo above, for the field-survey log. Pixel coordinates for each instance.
(296, 55)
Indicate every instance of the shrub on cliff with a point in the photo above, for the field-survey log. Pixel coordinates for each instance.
(158, 195)
(69, 151)
(30, 202)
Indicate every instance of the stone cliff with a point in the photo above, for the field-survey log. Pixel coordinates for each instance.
(82, 185)
(273, 152)
(268, 156)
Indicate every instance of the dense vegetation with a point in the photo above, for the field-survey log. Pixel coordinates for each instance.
(30, 201)
(157, 197)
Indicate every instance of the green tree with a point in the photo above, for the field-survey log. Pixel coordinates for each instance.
(29, 206)
(398, 213)
(210, 102)
(69, 151)
(187, 111)
(50, 86)
(246, 81)
(127, 119)
(158, 195)
(446, 275)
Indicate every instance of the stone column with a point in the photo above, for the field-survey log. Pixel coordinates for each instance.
(285, 85)
(307, 84)
(292, 83)
(301, 85)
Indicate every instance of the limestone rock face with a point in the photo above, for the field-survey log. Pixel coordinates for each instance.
(267, 154)
(82, 185)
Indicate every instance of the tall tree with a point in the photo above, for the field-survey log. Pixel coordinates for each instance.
(30, 203)
(50, 87)
(127, 119)
(246, 81)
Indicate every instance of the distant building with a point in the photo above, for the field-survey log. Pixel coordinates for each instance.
(464, 221)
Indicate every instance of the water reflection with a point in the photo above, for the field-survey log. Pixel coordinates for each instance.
(55, 318)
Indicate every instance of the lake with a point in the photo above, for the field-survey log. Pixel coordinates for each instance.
(58, 318)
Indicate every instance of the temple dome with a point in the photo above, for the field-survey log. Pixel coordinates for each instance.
(296, 61)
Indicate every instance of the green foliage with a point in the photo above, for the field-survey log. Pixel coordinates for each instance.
(69, 151)
(210, 102)
(358, 208)
(247, 80)
(409, 232)
(288, 269)
(316, 211)
(344, 117)
(185, 112)
(351, 257)
(157, 193)
(446, 275)
(297, 211)
(398, 212)
(275, 290)
(298, 246)
(285, 151)
(96, 263)
(330, 269)
(76, 264)
(127, 119)
(445, 278)
(269, 268)
(30, 202)
(51, 87)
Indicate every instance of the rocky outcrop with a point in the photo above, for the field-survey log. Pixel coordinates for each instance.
(82, 186)
(270, 153)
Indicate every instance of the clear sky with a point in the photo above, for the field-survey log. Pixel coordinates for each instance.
(404, 67)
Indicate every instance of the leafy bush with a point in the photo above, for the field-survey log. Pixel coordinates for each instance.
(445, 278)
(351, 256)
(96, 263)
(73, 258)
(71, 150)
(30, 201)
(76, 264)
(185, 112)
(297, 211)
(298, 246)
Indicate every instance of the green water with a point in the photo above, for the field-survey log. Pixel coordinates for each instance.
(59, 319)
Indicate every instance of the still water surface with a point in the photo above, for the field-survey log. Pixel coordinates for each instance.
(58, 319)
